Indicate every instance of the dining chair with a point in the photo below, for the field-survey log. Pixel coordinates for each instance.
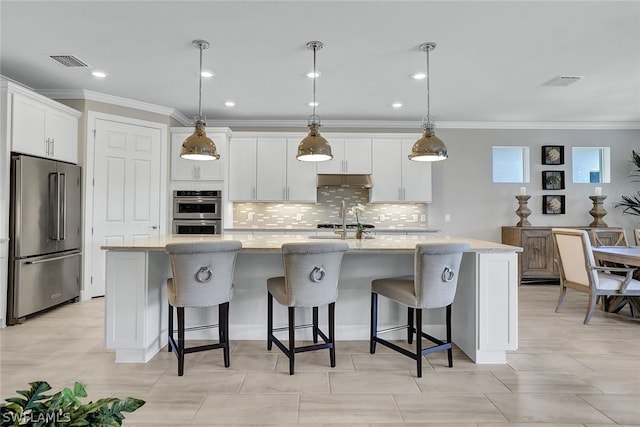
(608, 237)
(202, 276)
(579, 271)
(636, 236)
(311, 272)
(433, 285)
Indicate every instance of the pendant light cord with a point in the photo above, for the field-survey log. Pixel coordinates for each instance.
(200, 87)
(315, 77)
(428, 90)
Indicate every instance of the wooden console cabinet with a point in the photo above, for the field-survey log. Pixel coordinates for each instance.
(537, 260)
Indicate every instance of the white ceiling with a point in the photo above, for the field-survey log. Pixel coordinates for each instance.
(490, 64)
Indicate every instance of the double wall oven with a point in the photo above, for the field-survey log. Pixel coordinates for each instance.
(197, 212)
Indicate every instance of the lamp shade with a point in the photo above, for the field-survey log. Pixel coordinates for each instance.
(314, 148)
(429, 148)
(199, 146)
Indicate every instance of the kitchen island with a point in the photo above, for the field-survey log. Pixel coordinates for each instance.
(484, 313)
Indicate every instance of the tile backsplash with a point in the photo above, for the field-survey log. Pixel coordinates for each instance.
(282, 215)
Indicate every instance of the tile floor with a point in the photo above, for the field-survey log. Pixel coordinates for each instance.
(563, 374)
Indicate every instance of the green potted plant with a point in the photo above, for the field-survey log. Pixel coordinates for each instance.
(64, 408)
(631, 204)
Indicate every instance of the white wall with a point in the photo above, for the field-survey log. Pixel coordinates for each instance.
(463, 188)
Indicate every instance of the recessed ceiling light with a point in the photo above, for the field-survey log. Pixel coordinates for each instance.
(419, 75)
(313, 75)
(230, 104)
(99, 74)
(397, 105)
(313, 104)
(207, 74)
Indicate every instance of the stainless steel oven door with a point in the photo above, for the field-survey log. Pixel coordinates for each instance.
(196, 208)
(194, 226)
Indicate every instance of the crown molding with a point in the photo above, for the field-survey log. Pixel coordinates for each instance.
(416, 125)
(115, 100)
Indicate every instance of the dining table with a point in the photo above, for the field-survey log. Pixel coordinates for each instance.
(626, 255)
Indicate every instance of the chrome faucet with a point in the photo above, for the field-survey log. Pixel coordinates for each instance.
(343, 216)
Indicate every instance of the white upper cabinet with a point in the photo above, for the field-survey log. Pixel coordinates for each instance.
(350, 156)
(395, 177)
(43, 127)
(197, 170)
(242, 169)
(265, 169)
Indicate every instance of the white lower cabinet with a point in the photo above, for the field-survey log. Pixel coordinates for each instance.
(42, 127)
(194, 170)
(395, 177)
(265, 169)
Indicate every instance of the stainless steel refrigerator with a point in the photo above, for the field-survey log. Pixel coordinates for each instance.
(45, 236)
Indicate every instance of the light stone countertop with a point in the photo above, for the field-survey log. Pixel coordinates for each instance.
(314, 229)
(273, 243)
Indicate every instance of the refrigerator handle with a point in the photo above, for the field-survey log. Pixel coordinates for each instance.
(62, 204)
(54, 207)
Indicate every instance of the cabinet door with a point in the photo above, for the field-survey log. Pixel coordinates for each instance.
(28, 127)
(301, 176)
(387, 177)
(334, 166)
(189, 170)
(242, 169)
(62, 131)
(357, 156)
(416, 176)
(537, 258)
(271, 169)
(181, 169)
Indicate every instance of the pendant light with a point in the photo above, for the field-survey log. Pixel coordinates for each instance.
(314, 148)
(429, 148)
(198, 146)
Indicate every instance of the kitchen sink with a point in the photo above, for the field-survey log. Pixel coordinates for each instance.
(336, 237)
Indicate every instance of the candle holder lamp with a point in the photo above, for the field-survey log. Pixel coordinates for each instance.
(523, 210)
(598, 211)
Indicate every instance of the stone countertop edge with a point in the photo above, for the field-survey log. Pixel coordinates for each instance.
(273, 243)
(327, 230)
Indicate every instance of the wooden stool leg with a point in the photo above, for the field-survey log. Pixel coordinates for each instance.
(181, 342)
(315, 325)
(410, 325)
(449, 350)
(223, 330)
(269, 320)
(374, 323)
(419, 341)
(292, 338)
(170, 347)
(332, 324)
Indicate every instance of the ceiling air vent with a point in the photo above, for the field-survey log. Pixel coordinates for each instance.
(562, 80)
(68, 61)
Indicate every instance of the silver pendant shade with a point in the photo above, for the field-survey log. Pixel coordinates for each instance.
(198, 146)
(429, 148)
(314, 148)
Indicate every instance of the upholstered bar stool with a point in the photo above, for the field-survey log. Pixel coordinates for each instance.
(311, 272)
(433, 285)
(202, 277)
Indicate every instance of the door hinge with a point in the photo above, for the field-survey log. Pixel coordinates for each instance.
(94, 133)
(91, 230)
(91, 279)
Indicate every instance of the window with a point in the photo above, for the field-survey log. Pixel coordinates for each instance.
(591, 164)
(510, 164)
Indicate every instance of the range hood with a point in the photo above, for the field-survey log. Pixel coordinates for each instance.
(348, 181)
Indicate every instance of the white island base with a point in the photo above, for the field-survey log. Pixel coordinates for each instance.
(484, 312)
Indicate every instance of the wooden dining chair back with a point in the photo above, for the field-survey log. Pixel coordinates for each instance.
(579, 271)
(608, 237)
(636, 236)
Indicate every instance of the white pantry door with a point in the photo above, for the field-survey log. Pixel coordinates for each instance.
(126, 195)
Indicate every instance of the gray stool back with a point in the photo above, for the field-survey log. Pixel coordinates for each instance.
(202, 277)
(433, 285)
(311, 280)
